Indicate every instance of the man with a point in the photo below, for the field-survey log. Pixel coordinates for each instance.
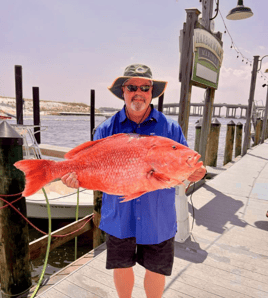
(141, 230)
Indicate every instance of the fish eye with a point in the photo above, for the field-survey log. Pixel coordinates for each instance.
(174, 147)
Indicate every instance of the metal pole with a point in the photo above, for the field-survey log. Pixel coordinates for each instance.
(36, 114)
(264, 124)
(250, 101)
(19, 99)
(92, 113)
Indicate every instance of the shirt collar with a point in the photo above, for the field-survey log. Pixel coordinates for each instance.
(153, 115)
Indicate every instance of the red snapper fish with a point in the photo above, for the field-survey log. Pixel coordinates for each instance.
(127, 165)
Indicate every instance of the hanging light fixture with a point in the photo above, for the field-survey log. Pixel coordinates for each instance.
(239, 12)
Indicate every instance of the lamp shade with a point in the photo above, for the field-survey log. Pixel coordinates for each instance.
(239, 12)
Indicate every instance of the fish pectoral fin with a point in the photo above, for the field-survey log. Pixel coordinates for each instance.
(158, 176)
(132, 196)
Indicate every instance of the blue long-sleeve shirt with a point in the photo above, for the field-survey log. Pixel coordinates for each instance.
(151, 218)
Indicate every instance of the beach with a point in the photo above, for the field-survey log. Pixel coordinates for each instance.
(47, 107)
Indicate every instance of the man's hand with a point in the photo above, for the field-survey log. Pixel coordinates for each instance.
(70, 180)
(198, 174)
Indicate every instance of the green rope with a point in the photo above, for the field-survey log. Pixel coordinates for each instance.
(76, 218)
(48, 246)
(49, 239)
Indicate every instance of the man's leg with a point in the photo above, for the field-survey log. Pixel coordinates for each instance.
(124, 282)
(154, 284)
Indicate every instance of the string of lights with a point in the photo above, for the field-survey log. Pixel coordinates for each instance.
(238, 52)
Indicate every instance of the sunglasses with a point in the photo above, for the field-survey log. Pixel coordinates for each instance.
(133, 88)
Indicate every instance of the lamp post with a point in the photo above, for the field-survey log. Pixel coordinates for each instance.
(250, 101)
(264, 123)
(239, 12)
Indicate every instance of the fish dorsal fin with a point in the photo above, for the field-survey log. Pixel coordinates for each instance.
(85, 146)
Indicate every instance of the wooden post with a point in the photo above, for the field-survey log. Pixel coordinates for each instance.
(36, 114)
(213, 144)
(92, 113)
(207, 9)
(257, 132)
(229, 142)
(19, 98)
(98, 235)
(160, 103)
(15, 268)
(186, 69)
(266, 134)
(250, 102)
(264, 124)
(209, 100)
(238, 139)
(197, 134)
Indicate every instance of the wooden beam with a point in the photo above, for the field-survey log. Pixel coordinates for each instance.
(250, 102)
(38, 247)
(186, 68)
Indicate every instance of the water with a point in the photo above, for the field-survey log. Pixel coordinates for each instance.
(70, 131)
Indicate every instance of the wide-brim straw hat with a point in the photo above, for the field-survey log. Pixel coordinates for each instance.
(137, 71)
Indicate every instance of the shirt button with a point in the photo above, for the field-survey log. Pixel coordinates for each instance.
(138, 218)
(138, 200)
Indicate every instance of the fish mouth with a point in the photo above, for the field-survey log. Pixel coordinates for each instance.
(192, 161)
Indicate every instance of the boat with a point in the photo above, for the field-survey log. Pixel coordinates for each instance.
(62, 199)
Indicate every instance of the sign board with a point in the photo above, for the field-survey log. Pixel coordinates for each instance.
(208, 55)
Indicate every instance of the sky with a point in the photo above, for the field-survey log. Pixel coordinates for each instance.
(68, 47)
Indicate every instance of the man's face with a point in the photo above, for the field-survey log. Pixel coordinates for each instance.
(137, 101)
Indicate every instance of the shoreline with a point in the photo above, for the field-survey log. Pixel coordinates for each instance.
(47, 107)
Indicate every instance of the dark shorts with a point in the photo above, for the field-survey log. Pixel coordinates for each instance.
(124, 253)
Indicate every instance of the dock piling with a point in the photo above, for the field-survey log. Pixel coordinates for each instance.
(15, 271)
(98, 235)
(257, 132)
(92, 113)
(229, 142)
(266, 131)
(238, 139)
(160, 103)
(213, 143)
(36, 114)
(197, 134)
(19, 98)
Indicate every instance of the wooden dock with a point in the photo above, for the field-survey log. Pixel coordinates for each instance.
(226, 255)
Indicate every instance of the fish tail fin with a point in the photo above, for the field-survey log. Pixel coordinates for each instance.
(38, 172)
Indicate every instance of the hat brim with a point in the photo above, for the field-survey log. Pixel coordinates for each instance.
(116, 87)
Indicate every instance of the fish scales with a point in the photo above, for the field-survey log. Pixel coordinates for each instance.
(126, 165)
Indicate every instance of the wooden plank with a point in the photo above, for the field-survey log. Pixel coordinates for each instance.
(139, 273)
(53, 294)
(74, 290)
(101, 274)
(232, 281)
(93, 286)
(39, 246)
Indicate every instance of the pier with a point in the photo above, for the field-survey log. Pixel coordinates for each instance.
(226, 254)
(197, 109)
